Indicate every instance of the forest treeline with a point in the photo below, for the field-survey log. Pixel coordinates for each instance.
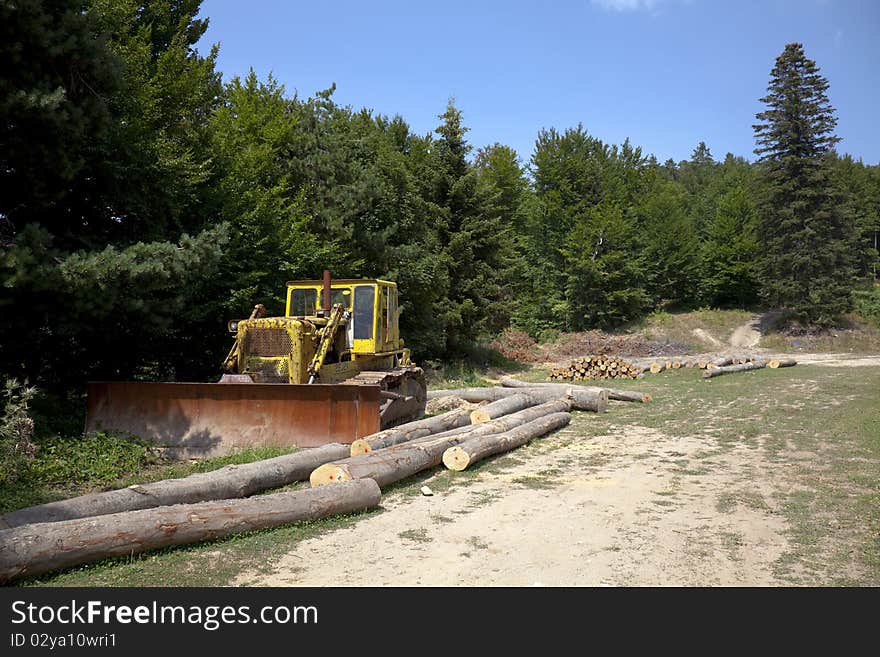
(144, 202)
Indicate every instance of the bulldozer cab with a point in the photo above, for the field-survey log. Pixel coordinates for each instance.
(372, 326)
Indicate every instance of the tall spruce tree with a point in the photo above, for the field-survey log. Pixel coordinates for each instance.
(804, 230)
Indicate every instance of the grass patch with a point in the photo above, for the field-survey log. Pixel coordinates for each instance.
(67, 467)
(679, 327)
(415, 535)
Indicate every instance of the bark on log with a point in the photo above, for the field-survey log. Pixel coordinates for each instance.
(386, 466)
(478, 448)
(228, 482)
(723, 361)
(618, 395)
(583, 398)
(776, 363)
(41, 548)
(501, 407)
(409, 431)
(731, 369)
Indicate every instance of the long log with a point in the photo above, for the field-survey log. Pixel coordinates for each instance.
(410, 431)
(386, 466)
(583, 398)
(619, 395)
(478, 448)
(776, 363)
(228, 482)
(731, 369)
(44, 547)
(723, 361)
(501, 407)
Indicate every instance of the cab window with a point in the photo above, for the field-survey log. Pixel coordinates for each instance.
(364, 298)
(302, 302)
(342, 296)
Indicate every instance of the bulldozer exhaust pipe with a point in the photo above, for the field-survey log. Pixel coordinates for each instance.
(326, 299)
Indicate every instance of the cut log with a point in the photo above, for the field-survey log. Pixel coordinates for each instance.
(619, 395)
(41, 548)
(227, 482)
(657, 367)
(501, 407)
(731, 369)
(478, 448)
(723, 361)
(583, 398)
(776, 363)
(386, 466)
(409, 431)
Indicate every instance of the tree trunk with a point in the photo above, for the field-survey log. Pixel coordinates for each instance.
(41, 548)
(409, 431)
(480, 447)
(583, 398)
(657, 367)
(386, 466)
(723, 361)
(730, 369)
(227, 482)
(619, 395)
(501, 407)
(775, 363)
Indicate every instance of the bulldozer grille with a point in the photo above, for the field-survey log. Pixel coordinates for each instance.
(267, 342)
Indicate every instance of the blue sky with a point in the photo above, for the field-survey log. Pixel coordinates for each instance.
(665, 73)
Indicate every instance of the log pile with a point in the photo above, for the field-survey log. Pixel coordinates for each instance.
(389, 465)
(596, 368)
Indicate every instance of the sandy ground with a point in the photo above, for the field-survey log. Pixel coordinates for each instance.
(638, 508)
(633, 508)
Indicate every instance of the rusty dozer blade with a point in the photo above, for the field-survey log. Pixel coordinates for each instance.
(210, 419)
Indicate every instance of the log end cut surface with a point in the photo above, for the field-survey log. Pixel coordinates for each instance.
(455, 458)
(329, 473)
(360, 446)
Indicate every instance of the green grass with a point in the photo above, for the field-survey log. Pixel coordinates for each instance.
(863, 340)
(67, 467)
(678, 327)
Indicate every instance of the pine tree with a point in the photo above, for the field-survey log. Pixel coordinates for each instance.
(805, 233)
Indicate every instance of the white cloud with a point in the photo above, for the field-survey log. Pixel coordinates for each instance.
(626, 5)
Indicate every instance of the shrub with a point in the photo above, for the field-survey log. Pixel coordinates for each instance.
(16, 432)
(867, 304)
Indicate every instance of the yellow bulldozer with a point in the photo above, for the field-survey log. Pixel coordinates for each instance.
(333, 369)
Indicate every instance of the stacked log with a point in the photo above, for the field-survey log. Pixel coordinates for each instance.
(594, 368)
(392, 464)
(406, 432)
(583, 398)
(501, 407)
(730, 369)
(40, 548)
(619, 395)
(480, 447)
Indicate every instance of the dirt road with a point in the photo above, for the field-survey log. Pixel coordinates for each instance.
(623, 509)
